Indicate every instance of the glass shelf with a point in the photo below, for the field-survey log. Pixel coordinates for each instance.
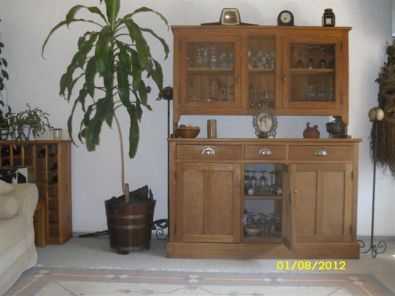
(261, 70)
(263, 202)
(312, 72)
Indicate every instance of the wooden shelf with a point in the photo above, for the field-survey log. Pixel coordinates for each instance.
(325, 101)
(311, 71)
(209, 70)
(262, 239)
(258, 70)
(263, 197)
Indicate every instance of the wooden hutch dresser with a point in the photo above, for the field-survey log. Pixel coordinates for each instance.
(301, 192)
(48, 164)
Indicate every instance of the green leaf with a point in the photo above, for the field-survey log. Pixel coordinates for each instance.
(161, 40)
(80, 100)
(90, 74)
(78, 61)
(113, 7)
(103, 50)
(146, 9)
(124, 67)
(93, 9)
(156, 73)
(143, 93)
(62, 24)
(139, 41)
(136, 68)
(134, 131)
(71, 86)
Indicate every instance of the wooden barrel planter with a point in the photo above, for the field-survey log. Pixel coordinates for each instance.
(130, 223)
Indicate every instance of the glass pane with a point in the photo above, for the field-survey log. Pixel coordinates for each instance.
(312, 73)
(210, 72)
(263, 191)
(261, 70)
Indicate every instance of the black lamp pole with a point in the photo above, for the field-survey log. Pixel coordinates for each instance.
(375, 115)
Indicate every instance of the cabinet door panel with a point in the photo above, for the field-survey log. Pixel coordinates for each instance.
(220, 191)
(305, 204)
(210, 70)
(313, 75)
(208, 198)
(322, 197)
(193, 201)
(334, 196)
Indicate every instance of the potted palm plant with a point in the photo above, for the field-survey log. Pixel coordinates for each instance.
(111, 70)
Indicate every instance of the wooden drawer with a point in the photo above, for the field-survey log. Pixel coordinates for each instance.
(265, 152)
(209, 152)
(320, 153)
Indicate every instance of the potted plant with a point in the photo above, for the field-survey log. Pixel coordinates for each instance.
(111, 69)
(32, 121)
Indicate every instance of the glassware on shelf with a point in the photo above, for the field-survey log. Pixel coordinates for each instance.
(299, 64)
(198, 61)
(261, 59)
(323, 64)
(213, 58)
(205, 57)
(310, 64)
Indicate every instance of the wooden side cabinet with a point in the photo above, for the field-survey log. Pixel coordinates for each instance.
(209, 203)
(49, 166)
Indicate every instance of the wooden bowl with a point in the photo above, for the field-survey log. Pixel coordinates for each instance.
(187, 132)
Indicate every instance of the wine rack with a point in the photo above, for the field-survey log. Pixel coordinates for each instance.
(48, 166)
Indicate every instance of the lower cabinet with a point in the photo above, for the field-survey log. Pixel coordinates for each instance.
(208, 202)
(321, 202)
(263, 198)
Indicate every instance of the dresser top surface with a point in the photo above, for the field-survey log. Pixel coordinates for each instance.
(267, 141)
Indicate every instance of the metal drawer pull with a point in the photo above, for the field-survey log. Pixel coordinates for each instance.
(265, 152)
(208, 151)
(321, 153)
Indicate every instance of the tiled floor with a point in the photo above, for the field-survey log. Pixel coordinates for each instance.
(95, 253)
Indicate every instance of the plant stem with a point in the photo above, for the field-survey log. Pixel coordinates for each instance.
(124, 185)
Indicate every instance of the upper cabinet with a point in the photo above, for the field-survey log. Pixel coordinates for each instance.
(315, 74)
(224, 70)
(210, 71)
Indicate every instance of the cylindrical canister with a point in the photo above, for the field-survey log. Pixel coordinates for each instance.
(211, 128)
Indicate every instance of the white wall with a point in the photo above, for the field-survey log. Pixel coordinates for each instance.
(96, 175)
(393, 17)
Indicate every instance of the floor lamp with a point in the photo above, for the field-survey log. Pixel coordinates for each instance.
(375, 115)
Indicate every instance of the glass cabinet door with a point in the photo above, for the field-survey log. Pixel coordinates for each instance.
(261, 71)
(311, 74)
(212, 73)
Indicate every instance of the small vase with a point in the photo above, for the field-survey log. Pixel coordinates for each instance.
(311, 132)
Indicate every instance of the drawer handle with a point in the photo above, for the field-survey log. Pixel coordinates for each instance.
(209, 151)
(321, 153)
(265, 152)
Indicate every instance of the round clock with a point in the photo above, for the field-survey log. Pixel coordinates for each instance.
(285, 18)
(265, 123)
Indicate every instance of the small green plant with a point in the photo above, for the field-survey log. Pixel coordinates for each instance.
(30, 121)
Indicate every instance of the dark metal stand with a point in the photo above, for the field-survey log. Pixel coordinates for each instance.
(161, 225)
(375, 247)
